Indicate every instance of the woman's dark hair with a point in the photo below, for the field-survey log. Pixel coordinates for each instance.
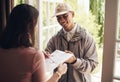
(19, 31)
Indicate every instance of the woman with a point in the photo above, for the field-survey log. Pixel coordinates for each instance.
(19, 60)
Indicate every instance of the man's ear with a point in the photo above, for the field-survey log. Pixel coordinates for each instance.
(73, 14)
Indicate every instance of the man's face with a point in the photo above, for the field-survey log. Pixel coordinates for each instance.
(66, 20)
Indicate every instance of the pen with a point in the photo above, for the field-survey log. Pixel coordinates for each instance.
(48, 57)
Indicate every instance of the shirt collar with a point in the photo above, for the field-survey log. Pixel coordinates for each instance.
(71, 31)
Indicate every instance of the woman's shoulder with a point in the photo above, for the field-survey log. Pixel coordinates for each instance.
(32, 51)
(27, 52)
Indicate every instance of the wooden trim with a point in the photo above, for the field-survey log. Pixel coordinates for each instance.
(111, 8)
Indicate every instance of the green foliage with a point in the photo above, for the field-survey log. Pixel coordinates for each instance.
(16, 2)
(97, 8)
(88, 21)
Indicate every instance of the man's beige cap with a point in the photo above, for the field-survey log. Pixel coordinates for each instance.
(62, 8)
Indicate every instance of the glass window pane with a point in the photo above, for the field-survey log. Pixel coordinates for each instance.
(118, 33)
(116, 80)
(49, 24)
(116, 76)
(117, 63)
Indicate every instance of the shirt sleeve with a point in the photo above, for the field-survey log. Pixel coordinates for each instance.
(50, 45)
(89, 61)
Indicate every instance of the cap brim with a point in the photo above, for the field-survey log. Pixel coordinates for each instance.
(60, 13)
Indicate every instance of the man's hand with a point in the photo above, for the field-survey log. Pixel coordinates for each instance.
(72, 59)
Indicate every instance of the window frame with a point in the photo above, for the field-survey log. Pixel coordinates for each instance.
(110, 32)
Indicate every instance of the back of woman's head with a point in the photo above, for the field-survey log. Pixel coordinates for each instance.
(19, 31)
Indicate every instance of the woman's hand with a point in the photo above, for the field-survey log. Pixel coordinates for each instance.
(62, 69)
(46, 54)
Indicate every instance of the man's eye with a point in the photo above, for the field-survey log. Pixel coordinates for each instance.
(65, 16)
(58, 17)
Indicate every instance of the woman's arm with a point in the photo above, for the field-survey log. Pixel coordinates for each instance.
(39, 68)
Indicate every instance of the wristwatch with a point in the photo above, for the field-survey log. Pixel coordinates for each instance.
(74, 61)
